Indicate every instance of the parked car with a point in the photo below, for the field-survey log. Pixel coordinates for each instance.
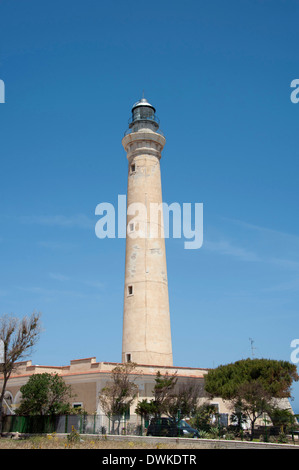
(166, 427)
(186, 430)
(162, 427)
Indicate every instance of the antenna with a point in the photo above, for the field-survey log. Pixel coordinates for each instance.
(142, 94)
(252, 347)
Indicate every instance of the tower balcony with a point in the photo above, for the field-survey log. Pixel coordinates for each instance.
(130, 130)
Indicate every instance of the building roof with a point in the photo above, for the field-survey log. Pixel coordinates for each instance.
(90, 365)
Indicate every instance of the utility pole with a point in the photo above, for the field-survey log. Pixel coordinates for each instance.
(252, 347)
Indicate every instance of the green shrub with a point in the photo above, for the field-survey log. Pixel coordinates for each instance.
(214, 432)
(74, 436)
(204, 434)
(282, 438)
(230, 436)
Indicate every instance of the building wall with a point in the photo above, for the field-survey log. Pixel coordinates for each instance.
(85, 394)
(87, 377)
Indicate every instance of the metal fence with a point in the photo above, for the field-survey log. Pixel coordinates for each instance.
(84, 424)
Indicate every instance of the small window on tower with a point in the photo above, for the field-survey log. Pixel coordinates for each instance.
(132, 227)
(128, 358)
(130, 290)
(133, 168)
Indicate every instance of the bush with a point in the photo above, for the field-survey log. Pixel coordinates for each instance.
(103, 430)
(237, 432)
(213, 433)
(74, 436)
(229, 436)
(282, 438)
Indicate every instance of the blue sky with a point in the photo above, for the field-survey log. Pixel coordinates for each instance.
(219, 75)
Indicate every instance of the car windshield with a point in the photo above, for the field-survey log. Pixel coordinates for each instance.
(183, 424)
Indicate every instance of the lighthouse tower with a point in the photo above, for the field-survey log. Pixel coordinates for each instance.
(146, 318)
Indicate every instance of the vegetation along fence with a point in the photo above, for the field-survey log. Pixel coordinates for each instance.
(84, 424)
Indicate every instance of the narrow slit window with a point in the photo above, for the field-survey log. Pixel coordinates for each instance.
(132, 227)
(130, 290)
(133, 168)
(128, 358)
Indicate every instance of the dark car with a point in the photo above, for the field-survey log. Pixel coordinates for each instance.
(186, 430)
(162, 427)
(166, 427)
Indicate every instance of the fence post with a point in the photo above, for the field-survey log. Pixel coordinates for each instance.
(66, 423)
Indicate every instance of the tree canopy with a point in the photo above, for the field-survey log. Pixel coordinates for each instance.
(274, 376)
(18, 336)
(45, 394)
(171, 397)
(116, 398)
(251, 385)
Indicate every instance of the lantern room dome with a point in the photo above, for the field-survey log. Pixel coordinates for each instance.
(142, 102)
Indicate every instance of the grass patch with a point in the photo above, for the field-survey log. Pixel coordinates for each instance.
(54, 442)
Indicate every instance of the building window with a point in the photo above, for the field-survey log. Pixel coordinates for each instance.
(133, 168)
(132, 227)
(130, 290)
(128, 357)
(77, 405)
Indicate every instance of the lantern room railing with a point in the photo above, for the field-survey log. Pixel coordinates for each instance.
(143, 118)
(158, 131)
